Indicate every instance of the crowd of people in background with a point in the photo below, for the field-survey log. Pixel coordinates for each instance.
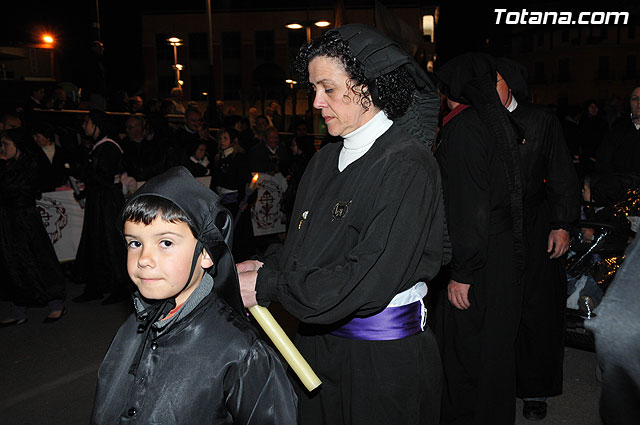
(42, 149)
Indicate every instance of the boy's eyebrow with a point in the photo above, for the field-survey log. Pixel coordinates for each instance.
(157, 234)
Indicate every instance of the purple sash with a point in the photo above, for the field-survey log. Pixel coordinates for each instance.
(390, 323)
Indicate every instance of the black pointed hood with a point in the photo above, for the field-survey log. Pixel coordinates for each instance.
(213, 224)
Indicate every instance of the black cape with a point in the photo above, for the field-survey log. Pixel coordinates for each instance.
(32, 275)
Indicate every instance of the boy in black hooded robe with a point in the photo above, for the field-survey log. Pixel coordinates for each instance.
(188, 355)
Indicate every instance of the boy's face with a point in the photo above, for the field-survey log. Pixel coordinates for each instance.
(159, 258)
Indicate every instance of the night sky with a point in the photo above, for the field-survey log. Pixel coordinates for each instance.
(462, 27)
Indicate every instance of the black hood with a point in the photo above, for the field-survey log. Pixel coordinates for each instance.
(471, 79)
(212, 222)
(515, 74)
(380, 55)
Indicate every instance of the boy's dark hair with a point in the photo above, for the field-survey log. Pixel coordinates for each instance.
(147, 208)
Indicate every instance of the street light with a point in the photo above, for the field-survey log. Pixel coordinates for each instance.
(49, 43)
(175, 42)
(307, 25)
(294, 95)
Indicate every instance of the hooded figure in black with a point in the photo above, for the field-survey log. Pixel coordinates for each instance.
(200, 361)
(478, 154)
(551, 208)
(366, 233)
(31, 273)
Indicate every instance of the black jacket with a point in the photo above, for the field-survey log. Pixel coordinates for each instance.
(206, 367)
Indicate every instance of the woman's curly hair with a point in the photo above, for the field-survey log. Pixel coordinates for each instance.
(391, 92)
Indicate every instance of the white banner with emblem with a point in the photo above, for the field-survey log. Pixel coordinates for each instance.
(267, 216)
(63, 217)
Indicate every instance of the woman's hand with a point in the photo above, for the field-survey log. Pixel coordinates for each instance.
(247, 276)
(249, 266)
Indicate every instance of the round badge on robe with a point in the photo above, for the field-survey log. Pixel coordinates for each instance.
(340, 210)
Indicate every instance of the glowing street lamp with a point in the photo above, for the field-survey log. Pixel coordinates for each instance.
(307, 26)
(49, 43)
(175, 42)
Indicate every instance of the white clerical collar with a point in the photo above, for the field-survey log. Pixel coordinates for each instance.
(228, 151)
(513, 105)
(359, 141)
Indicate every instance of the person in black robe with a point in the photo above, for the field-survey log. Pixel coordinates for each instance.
(480, 308)
(366, 233)
(620, 151)
(100, 259)
(51, 159)
(551, 208)
(32, 276)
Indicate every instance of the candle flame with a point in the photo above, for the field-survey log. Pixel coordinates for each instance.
(255, 178)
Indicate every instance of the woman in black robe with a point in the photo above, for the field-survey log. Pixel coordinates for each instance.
(366, 235)
(32, 276)
(101, 257)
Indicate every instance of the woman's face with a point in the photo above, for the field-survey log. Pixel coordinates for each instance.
(89, 127)
(41, 140)
(224, 141)
(340, 107)
(200, 152)
(8, 149)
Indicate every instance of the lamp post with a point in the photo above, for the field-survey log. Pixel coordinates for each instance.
(49, 43)
(175, 42)
(307, 26)
(294, 95)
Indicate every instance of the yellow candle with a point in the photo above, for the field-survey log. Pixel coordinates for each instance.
(286, 347)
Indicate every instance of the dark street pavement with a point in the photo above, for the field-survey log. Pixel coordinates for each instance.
(49, 370)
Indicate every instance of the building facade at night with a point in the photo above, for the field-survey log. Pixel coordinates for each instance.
(569, 65)
(252, 51)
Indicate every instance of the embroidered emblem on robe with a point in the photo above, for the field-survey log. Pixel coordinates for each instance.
(340, 210)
